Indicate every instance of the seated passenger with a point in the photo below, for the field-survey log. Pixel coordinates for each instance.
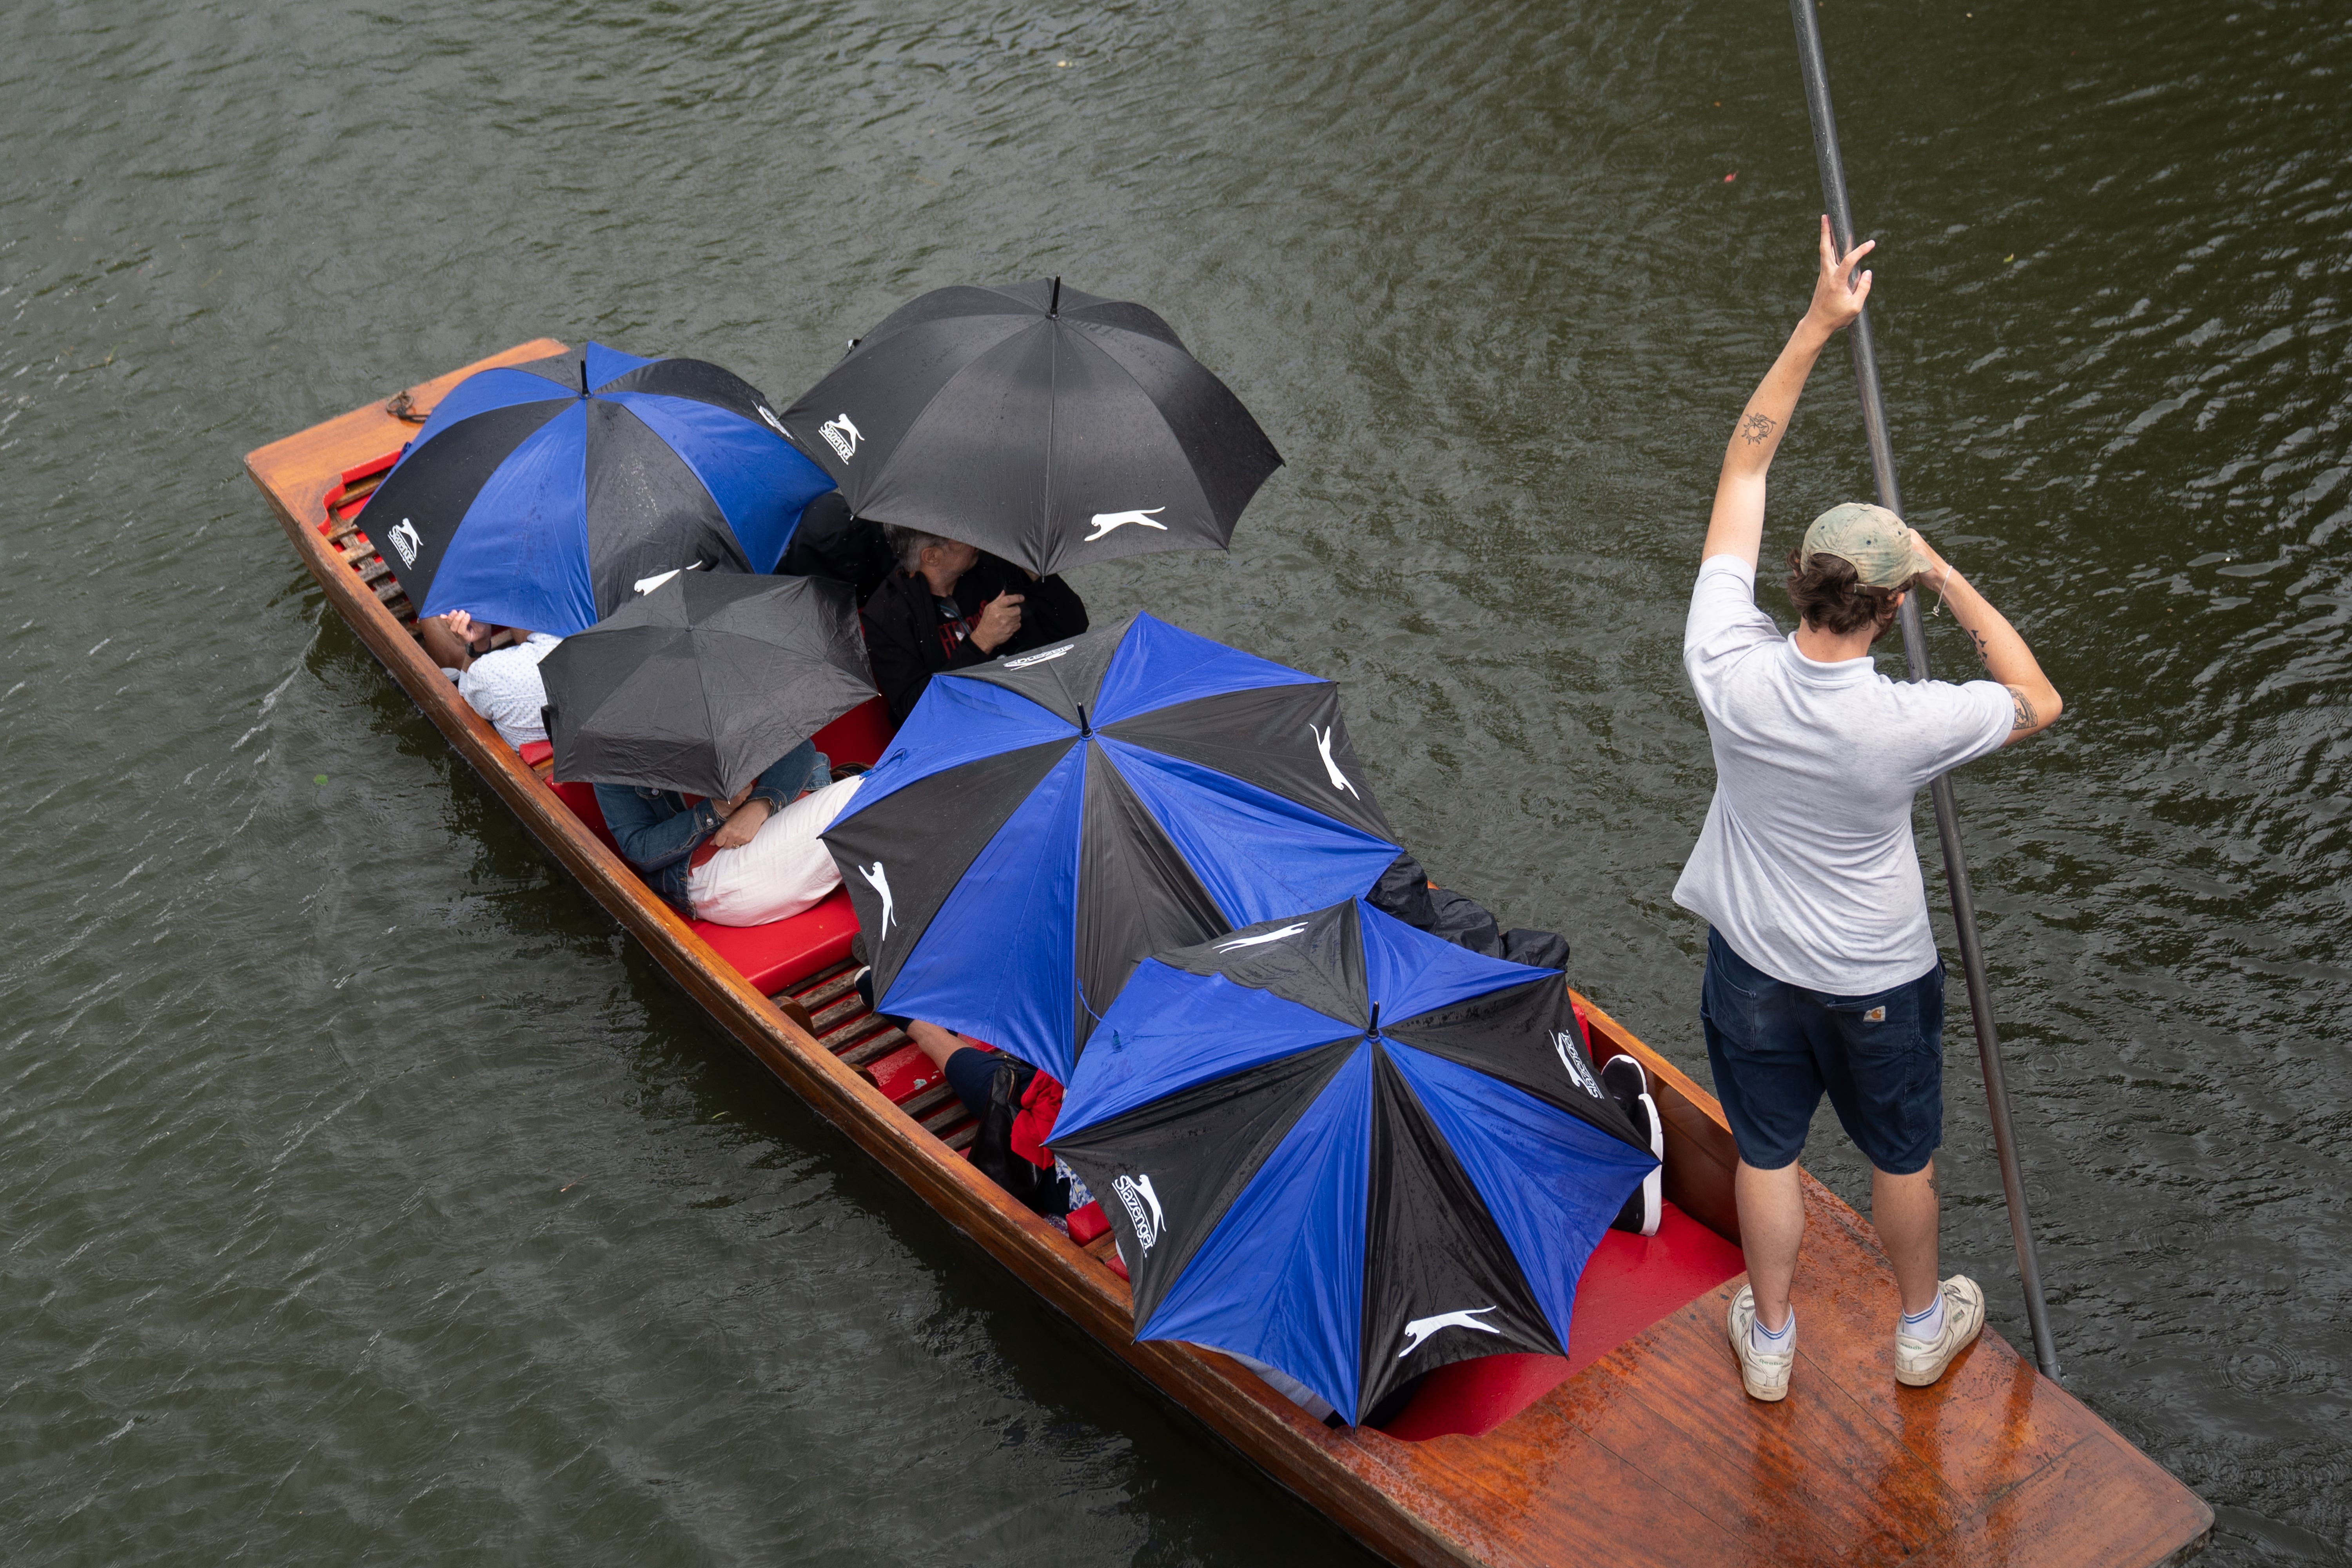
(1015, 1104)
(740, 862)
(828, 542)
(502, 685)
(949, 606)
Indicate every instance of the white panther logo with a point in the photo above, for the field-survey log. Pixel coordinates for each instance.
(841, 436)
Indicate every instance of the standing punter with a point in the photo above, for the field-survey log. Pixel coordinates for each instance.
(1822, 974)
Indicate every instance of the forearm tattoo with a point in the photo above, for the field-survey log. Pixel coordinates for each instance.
(1755, 428)
(1983, 655)
(2025, 716)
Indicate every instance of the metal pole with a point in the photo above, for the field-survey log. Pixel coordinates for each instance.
(1915, 652)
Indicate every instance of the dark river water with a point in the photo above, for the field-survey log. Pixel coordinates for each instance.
(367, 1197)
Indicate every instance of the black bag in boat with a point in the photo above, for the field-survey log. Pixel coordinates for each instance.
(1404, 891)
(991, 1146)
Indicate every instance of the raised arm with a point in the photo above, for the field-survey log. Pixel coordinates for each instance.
(2006, 657)
(1737, 525)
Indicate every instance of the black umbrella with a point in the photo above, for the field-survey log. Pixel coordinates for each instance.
(1049, 427)
(700, 684)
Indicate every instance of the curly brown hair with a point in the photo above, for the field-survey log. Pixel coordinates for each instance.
(1829, 597)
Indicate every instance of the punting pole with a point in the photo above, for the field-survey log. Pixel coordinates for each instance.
(1915, 653)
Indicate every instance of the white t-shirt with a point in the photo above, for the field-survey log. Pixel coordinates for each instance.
(505, 687)
(1806, 865)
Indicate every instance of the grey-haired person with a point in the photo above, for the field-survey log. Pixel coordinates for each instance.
(1822, 972)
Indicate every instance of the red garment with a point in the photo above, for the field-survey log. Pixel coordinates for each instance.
(1041, 1103)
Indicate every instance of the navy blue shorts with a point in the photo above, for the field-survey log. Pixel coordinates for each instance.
(1777, 1047)
(970, 1072)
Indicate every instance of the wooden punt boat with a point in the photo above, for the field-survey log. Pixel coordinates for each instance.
(1640, 1450)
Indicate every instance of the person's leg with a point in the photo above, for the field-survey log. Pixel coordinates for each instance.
(1771, 1234)
(1767, 1078)
(1884, 1075)
(1904, 1210)
(935, 1042)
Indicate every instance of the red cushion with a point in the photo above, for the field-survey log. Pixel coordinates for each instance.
(860, 735)
(903, 1074)
(535, 753)
(1631, 1282)
(581, 799)
(1087, 1223)
(774, 956)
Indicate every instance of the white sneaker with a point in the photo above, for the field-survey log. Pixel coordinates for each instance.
(1630, 1085)
(1918, 1363)
(1764, 1374)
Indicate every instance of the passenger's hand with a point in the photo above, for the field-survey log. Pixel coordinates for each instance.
(1835, 302)
(727, 809)
(742, 825)
(998, 619)
(460, 624)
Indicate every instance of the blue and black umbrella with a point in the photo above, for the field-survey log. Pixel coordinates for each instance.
(1350, 1149)
(1045, 821)
(544, 495)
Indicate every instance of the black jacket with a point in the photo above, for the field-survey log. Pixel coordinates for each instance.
(902, 627)
(829, 542)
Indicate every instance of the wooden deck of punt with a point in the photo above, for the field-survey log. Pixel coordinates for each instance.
(1651, 1454)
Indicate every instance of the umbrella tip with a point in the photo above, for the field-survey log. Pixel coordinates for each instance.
(1376, 1020)
(1054, 307)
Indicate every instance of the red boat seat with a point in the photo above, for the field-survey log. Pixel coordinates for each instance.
(1087, 1223)
(903, 1074)
(780, 953)
(860, 735)
(581, 799)
(1631, 1282)
(536, 751)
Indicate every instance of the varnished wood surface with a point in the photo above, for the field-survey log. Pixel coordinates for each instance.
(1652, 1455)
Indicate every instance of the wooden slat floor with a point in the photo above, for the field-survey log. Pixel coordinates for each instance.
(1649, 1456)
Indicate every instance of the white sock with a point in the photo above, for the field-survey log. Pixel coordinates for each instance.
(1769, 1342)
(1926, 1325)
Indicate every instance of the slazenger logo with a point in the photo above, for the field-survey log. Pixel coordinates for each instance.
(647, 584)
(1105, 522)
(1323, 749)
(840, 436)
(406, 540)
(1261, 941)
(1572, 1059)
(1135, 1193)
(769, 415)
(1421, 1329)
(879, 880)
(1026, 659)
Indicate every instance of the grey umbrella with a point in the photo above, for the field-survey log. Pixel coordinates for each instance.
(702, 683)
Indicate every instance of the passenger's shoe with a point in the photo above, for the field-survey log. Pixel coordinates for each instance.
(1765, 1376)
(1918, 1363)
(1629, 1086)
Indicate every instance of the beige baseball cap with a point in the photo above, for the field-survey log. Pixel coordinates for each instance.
(1877, 543)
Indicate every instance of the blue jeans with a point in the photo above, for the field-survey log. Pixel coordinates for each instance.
(1777, 1048)
(658, 830)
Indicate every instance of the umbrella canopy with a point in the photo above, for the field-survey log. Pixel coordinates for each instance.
(1049, 427)
(700, 684)
(1350, 1149)
(1044, 822)
(543, 495)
